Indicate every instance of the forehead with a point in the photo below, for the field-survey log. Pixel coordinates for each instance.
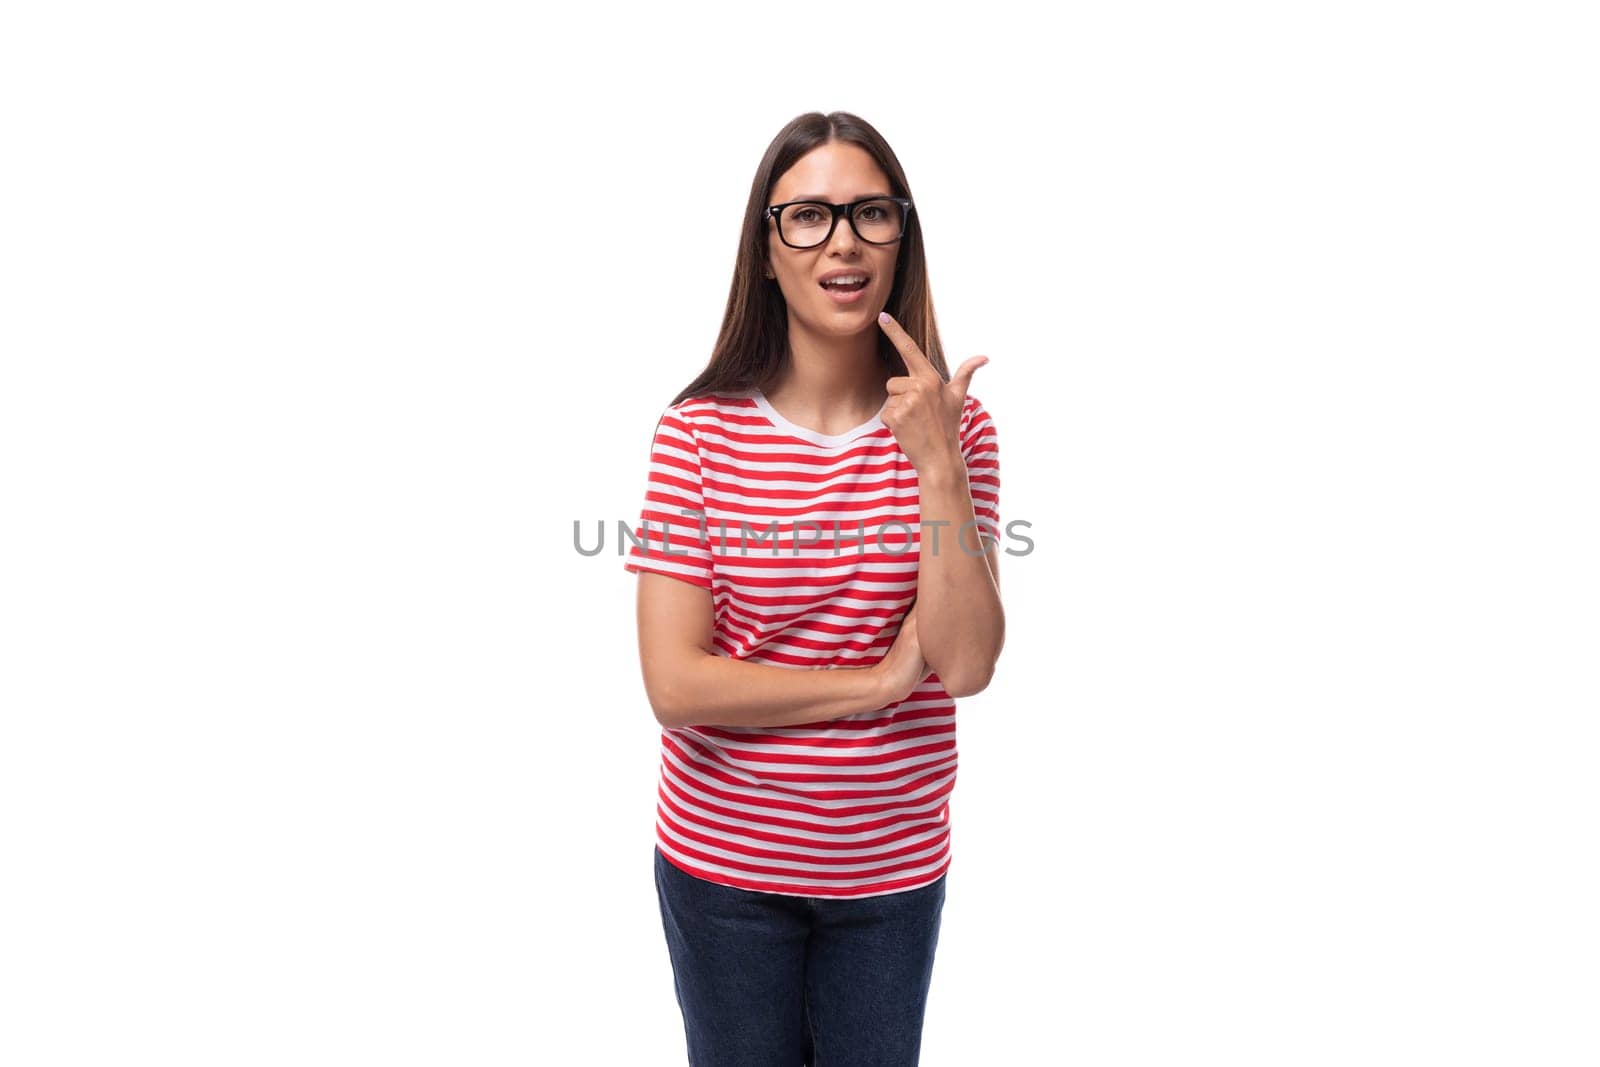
(836, 172)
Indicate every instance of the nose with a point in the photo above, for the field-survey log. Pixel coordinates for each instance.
(843, 239)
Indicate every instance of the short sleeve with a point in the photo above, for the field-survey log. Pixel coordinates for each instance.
(669, 541)
(981, 450)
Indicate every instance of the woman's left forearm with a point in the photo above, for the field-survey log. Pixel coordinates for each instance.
(960, 622)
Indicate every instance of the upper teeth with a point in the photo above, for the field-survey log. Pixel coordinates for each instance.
(846, 279)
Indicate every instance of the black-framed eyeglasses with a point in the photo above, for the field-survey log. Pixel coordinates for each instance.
(877, 220)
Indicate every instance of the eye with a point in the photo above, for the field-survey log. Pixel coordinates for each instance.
(806, 214)
(867, 212)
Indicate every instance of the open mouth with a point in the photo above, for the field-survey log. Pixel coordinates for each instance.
(845, 291)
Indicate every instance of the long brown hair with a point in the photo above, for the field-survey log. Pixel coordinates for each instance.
(754, 340)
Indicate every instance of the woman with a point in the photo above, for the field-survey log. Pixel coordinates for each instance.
(812, 596)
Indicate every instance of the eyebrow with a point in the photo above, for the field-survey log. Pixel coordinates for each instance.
(825, 200)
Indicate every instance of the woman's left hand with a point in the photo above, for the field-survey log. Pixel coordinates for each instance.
(923, 411)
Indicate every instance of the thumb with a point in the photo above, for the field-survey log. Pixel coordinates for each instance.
(962, 378)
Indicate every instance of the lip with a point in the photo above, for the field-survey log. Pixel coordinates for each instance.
(845, 298)
(839, 297)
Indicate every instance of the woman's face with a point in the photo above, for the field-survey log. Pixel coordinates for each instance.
(838, 173)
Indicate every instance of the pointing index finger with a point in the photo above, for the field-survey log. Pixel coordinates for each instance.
(917, 364)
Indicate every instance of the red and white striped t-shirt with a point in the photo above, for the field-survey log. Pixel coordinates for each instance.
(856, 806)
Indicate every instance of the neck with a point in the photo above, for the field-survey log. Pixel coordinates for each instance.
(834, 382)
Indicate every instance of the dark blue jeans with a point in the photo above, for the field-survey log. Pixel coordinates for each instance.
(768, 980)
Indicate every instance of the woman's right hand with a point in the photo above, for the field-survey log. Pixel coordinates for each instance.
(903, 667)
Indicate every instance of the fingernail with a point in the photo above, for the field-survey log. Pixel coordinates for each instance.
(883, 316)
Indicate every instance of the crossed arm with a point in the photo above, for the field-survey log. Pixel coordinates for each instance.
(960, 628)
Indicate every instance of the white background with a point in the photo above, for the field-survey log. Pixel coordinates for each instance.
(322, 323)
